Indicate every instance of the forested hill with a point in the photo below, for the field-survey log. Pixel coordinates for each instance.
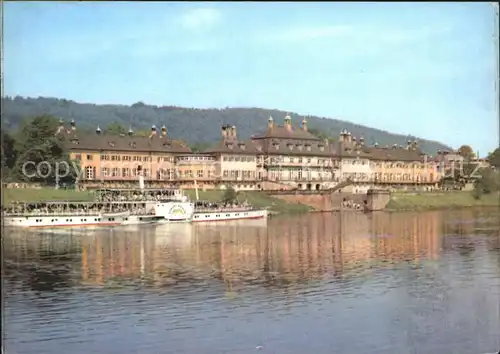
(190, 124)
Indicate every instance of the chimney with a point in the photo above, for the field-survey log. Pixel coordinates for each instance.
(224, 132)
(164, 131)
(233, 130)
(409, 145)
(349, 137)
(130, 131)
(98, 130)
(304, 124)
(60, 128)
(342, 136)
(153, 131)
(73, 125)
(270, 123)
(288, 122)
(375, 145)
(362, 141)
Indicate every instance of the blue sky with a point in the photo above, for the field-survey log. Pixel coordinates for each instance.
(427, 69)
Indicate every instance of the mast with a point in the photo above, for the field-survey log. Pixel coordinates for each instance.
(196, 190)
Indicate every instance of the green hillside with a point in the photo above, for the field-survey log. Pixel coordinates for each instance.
(195, 126)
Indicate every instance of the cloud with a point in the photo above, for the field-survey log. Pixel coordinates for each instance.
(200, 19)
(295, 34)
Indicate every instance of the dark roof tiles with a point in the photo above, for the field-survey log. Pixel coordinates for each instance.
(110, 143)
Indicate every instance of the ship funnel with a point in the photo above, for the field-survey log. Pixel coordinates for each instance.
(141, 182)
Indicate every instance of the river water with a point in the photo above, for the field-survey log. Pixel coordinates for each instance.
(351, 283)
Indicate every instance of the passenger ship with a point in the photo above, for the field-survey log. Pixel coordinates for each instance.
(121, 207)
(111, 208)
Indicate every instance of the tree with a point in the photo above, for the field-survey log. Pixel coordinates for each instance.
(9, 154)
(488, 183)
(41, 155)
(230, 195)
(115, 128)
(466, 152)
(199, 147)
(494, 158)
(321, 135)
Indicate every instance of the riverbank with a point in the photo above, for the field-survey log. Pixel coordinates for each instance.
(440, 200)
(255, 198)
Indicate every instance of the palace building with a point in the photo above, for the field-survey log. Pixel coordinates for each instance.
(280, 157)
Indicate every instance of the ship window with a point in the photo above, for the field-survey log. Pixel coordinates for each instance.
(140, 218)
(217, 215)
(228, 214)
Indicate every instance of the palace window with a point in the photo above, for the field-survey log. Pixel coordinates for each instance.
(78, 157)
(115, 172)
(105, 171)
(89, 157)
(89, 172)
(104, 157)
(199, 173)
(125, 172)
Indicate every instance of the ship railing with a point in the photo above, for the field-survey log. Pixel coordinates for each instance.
(52, 213)
(227, 209)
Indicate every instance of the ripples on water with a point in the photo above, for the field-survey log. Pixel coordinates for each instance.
(351, 283)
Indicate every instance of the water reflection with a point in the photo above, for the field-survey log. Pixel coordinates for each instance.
(377, 273)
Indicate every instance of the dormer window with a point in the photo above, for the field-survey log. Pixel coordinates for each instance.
(290, 146)
(132, 144)
(300, 146)
(166, 145)
(230, 146)
(111, 143)
(74, 141)
(276, 146)
(308, 147)
(242, 146)
(321, 148)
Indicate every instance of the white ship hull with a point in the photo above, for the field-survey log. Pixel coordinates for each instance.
(165, 213)
(53, 221)
(168, 212)
(229, 215)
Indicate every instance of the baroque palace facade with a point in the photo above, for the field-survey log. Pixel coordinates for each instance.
(281, 157)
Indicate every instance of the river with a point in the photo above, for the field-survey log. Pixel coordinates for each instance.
(352, 283)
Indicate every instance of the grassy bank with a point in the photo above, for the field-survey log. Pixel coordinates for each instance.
(440, 200)
(256, 199)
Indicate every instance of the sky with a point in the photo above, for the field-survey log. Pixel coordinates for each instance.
(426, 69)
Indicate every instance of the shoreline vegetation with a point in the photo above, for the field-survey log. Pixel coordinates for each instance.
(411, 201)
(400, 201)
